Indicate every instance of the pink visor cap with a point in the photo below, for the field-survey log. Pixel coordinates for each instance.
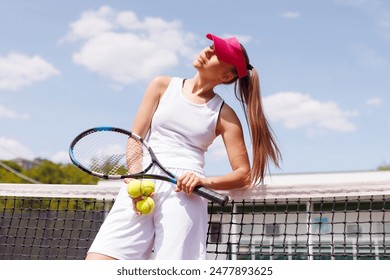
(229, 51)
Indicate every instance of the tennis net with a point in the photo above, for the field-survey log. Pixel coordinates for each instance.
(318, 216)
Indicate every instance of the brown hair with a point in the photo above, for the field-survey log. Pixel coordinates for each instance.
(247, 90)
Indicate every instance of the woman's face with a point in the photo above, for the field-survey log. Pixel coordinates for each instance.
(208, 63)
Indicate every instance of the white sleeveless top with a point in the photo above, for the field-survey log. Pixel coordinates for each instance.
(181, 131)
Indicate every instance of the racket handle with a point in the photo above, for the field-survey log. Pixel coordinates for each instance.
(211, 195)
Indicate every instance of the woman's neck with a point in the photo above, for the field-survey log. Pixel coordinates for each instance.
(200, 86)
(197, 92)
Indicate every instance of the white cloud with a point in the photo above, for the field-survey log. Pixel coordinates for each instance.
(375, 102)
(19, 70)
(126, 49)
(60, 157)
(10, 114)
(11, 149)
(297, 110)
(91, 23)
(124, 58)
(290, 15)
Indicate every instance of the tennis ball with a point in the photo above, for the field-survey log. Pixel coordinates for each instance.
(134, 188)
(147, 187)
(145, 206)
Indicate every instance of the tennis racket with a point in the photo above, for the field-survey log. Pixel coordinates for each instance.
(113, 153)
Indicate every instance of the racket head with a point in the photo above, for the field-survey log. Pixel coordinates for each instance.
(110, 153)
(114, 153)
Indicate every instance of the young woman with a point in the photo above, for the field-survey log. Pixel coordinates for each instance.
(180, 119)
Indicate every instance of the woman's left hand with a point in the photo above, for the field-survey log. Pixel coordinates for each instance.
(188, 181)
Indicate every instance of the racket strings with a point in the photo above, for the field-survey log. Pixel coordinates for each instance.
(110, 153)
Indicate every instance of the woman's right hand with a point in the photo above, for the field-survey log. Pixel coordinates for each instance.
(135, 199)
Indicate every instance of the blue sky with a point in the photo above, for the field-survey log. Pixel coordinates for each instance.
(324, 66)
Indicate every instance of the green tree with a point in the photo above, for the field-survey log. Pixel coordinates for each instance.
(384, 167)
(8, 177)
(47, 172)
(73, 175)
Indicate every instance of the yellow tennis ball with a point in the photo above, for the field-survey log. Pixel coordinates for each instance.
(134, 188)
(145, 206)
(147, 187)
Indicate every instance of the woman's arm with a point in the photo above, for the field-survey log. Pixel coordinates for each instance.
(148, 106)
(229, 127)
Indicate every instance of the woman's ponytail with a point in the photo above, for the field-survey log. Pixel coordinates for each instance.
(264, 145)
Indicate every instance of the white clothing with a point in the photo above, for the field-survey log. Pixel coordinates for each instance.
(176, 229)
(181, 132)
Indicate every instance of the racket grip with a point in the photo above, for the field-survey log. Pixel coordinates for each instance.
(211, 195)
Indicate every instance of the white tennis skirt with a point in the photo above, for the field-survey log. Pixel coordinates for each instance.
(175, 230)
